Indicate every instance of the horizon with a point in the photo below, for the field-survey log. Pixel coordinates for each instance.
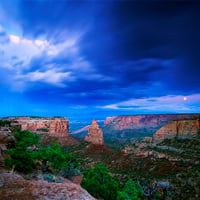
(90, 118)
(91, 59)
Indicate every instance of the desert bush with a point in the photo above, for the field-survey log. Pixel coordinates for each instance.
(26, 138)
(5, 123)
(20, 157)
(130, 191)
(72, 167)
(21, 160)
(100, 184)
(53, 157)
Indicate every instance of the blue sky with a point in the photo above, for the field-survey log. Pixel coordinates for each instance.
(84, 58)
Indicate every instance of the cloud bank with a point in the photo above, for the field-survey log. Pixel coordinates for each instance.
(91, 55)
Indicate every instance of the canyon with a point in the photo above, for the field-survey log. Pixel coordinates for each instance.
(125, 127)
(163, 144)
(171, 146)
(139, 125)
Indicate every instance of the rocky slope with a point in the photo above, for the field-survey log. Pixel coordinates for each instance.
(14, 186)
(55, 126)
(139, 125)
(95, 134)
(178, 128)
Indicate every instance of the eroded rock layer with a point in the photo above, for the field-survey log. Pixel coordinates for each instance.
(178, 128)
(139, 125)
(95, 134)
(55, 126)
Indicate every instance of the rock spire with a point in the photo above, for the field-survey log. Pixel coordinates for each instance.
(95, 134)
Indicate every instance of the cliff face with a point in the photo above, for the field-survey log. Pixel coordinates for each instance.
(179, 128)
(139, 125)
(58, 127)
(95, 134)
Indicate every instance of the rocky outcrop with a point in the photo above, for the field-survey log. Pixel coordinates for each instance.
(95, 134)
(139, 125)
(178, 128)
(55, 126)
(6, 141)
(14, 186)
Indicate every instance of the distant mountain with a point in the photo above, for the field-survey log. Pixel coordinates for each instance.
(81, 133)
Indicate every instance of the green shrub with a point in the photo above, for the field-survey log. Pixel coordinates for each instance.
(198, 132)
(130, 191)
(100, 184)
(16, 129)
(26, 138)
(72, 167)
(4, 123)
(49, 177)
(21, 159)
(53, 157)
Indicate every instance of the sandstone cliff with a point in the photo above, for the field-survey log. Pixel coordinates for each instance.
(178, 128)
(95, 134)
(54, 126)
(139, 125)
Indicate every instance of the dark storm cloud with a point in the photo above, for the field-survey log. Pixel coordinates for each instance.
(149, 29)
(103, 52)
(127, 40)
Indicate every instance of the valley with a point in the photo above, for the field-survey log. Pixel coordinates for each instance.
(170, 155)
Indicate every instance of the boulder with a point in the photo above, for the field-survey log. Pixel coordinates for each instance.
(15, 187)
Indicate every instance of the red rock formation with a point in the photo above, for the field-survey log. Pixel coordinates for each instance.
(58, 127)
(14, 186)
(177, 128)
(95, 134)
(131, 125)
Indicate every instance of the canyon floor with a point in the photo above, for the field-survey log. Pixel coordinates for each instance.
(173, 160)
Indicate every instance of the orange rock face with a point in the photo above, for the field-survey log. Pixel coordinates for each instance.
(177, 128)
(58, 127)
(131, 125)
(95, 134)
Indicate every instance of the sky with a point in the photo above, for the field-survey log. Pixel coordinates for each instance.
(99, 57)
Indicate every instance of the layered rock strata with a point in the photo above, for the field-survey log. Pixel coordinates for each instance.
(139, 125)
(55, 126)
(95, 134)
(178, 128)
